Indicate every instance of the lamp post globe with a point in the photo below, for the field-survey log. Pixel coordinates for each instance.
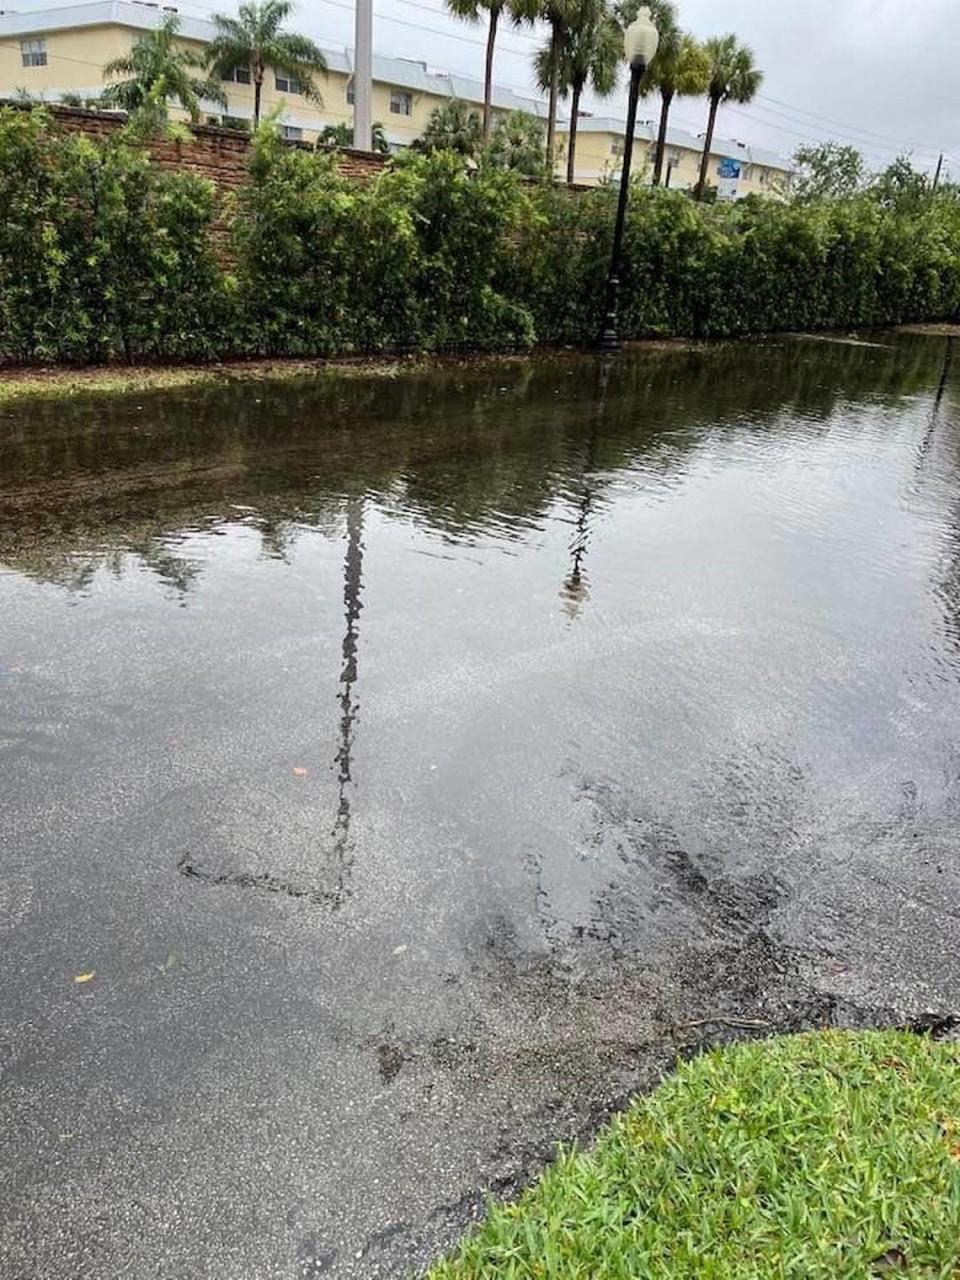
(641, 40)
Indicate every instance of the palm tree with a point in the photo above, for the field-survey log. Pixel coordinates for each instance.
(339, 137)
(517, 143)
(558, 14)
(591, 52)
(157, 72)
(254, 39)
(518, 10)
(734, 77)
(681, 68)
(453, 126)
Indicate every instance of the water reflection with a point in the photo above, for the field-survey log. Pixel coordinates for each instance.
(349, 709)
(574, 592)
(465, 453)
(326, 881)
(760, 590)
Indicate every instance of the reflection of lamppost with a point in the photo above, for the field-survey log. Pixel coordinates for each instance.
(640, 43)
(574, 592)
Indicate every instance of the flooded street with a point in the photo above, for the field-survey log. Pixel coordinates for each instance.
(420, 764)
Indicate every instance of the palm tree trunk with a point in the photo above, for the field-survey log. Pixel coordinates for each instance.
(257, 90)
(572, 136)
(667, 97)
(707, 144)
(488, 73)
(554, 83)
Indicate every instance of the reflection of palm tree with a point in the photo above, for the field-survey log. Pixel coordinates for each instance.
(336, 857)
(352, 587)
(574, 590)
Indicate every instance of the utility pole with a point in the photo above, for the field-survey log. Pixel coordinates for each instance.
(936, 176)
(363, 77)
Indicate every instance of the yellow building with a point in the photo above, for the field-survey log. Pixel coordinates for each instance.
(56, 51)
(736, 169)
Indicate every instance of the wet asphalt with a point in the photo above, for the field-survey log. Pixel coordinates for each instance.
(413, 772)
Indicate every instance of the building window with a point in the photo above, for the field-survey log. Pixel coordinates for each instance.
(292, 132)
(237, 75)
(616, 147)
(350, 93)
(33, 53)
(401, 104)
(286, 84)
(762, 177)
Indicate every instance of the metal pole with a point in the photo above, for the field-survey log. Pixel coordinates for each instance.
(936, 176)
(608, 340)
(363, 76)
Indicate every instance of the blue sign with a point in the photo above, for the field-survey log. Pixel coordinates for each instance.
(729, 169)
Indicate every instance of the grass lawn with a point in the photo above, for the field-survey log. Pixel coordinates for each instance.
(832, 1154)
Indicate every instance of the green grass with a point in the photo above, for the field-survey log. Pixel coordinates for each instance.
(63, 383)
(831, 1154)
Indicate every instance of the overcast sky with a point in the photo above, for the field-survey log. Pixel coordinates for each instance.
(884, 74)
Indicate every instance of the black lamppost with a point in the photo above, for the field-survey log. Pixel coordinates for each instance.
(640, 43)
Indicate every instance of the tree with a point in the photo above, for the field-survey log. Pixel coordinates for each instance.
(548, 62)
(734, 77)
(339, 137)
(681, 68)
(828, 170)
(255, 39)
(517, 143)
(590, 52)
(471, 10)
(901, 187)
(453, 126)
(157, 72)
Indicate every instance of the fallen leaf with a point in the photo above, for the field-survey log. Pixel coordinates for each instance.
(897, 1063)
(85, 977)
(299, 773)
(892, 1258)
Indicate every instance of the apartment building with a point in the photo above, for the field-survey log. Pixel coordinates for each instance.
(55, 51)
(736, 169)
(63, 50)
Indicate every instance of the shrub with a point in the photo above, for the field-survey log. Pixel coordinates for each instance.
(101, 254)
(408, 263)
(104, 255)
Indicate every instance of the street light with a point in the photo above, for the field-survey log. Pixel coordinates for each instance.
(640, 43)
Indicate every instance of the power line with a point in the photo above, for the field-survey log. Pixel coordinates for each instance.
(877, 141)
(849, 128)
(871, 154)
(476, 41)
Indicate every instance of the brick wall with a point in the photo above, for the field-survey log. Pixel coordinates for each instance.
(219, 154)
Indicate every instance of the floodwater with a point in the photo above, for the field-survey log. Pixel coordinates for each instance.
(417, 765)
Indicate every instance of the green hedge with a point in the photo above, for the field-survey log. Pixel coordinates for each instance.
(104, 256)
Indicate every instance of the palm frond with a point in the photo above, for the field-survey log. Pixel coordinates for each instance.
(119, 67)
(299, 49)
